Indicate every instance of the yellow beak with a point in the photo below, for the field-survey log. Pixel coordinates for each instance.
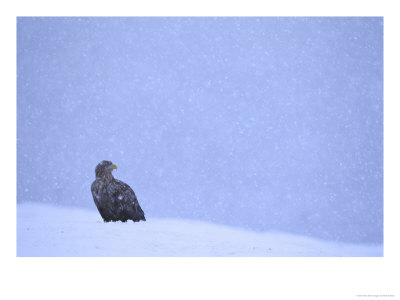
(114, 166)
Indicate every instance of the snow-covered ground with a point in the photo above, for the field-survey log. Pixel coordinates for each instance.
(45, 230)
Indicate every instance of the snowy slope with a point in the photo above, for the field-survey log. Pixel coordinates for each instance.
(44, 230)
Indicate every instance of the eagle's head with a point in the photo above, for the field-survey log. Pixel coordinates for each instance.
(104, 168)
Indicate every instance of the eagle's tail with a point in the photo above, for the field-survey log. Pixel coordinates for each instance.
(137, 214)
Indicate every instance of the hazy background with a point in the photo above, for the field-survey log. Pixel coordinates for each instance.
(260, 123)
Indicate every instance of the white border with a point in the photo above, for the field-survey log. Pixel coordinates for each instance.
(201, 278)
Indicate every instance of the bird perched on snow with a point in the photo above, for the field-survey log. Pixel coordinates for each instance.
(115, 200)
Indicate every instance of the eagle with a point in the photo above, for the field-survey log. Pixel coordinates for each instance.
(114, 199)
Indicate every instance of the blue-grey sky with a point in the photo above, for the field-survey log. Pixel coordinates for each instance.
(260, 123)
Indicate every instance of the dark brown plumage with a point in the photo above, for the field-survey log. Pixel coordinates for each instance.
(115, 200)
